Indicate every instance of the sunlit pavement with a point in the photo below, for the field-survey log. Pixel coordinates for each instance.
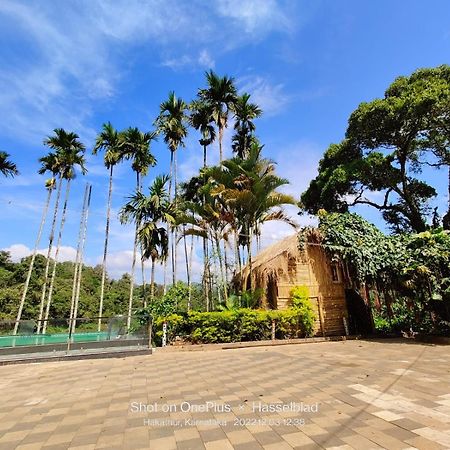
(339, 395)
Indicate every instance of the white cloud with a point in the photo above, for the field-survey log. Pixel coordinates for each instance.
(203, 60)
(255, 16)
(206, 60)
(271, 98)
(72, 53)
(19, 251)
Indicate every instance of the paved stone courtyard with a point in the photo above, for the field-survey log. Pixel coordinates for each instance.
(369, 395)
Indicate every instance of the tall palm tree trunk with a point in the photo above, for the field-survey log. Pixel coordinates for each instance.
(171, 238)
(236, 250)
(58, 246)
(191, 254)
(144, 290)
(133, 265)
(220, 143)
(250, 262)
(105, 248)
(225, 257)
(175, 231)
(33, 257)
(80, 265)
(205, 272)
(47, 264)
(221, 268)
(188, 277)
(152, 282)
(77, 260)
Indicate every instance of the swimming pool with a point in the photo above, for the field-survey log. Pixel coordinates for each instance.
(59, 338)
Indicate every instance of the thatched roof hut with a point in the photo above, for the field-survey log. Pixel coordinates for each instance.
(289, 263)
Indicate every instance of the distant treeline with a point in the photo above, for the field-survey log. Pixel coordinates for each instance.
(12, 277)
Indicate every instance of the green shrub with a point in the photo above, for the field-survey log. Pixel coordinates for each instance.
(305, 315)
(236, 325)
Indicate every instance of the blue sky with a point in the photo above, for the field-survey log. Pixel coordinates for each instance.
(77, 64)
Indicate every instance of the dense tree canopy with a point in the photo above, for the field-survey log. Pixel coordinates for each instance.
(387, 143)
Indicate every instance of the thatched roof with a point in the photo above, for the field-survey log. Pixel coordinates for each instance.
(274, 259)
(286, 247)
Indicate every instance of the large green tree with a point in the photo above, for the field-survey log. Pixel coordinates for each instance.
(388, 140)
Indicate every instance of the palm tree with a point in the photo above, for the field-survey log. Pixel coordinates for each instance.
(48, 164)
(244, 113)
(249, 188)
(171, 123)
(153, 236)
(201, 119)
(70, 153)
(221, 96)
(108, 140)
(7, 167)
(209, 220)
(151, 212)
(136, 146)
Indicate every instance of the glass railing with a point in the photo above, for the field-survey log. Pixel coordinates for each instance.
(64, 333)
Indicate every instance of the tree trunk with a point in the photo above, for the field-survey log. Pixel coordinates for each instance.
(220, 143)
(33, 257)
(171, 235)
(144, 291)
(47, 264)
(175, 229)
(222, 272)
(205, 272)
(58, 245)
(77, 260)
(80, 265)
(188, 275)
(152, 282)
(225, 257)
(133, 264)
(191, 253)
(105, 248)
(236, 249)
(250, 262)
(204, 156)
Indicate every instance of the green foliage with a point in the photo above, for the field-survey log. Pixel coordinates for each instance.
(416, 267)
(237, 325)
(404, 317)
(12, 277)
(387, 142)
(301, 317)
(369, 253)
(245, 299)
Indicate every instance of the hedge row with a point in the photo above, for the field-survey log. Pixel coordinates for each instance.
(236, 325)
